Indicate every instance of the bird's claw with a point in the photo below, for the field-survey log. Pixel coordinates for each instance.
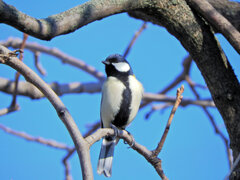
(133, 140)
(116, 131)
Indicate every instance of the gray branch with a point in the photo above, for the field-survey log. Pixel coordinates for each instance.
(63, 113)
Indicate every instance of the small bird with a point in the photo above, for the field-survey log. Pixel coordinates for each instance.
(121, 98)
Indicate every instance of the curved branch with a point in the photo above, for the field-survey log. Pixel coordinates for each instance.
(65, 22)
(63, 113)
(218, 21)
(226, 6)
(198, 39)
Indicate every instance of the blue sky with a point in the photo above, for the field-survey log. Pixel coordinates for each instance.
(192, 149)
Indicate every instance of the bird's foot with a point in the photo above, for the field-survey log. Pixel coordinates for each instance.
(133, 140)
(116, 131)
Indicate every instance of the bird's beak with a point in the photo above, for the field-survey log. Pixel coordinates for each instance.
(105, 62)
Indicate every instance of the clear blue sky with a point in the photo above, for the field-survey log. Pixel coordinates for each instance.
(192, 149)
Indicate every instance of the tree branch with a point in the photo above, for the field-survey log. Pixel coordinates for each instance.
(9, 109)
(174, 109)
(28, 90)
(64, 115)
(65, 22)
(65, 58)
(147, 154)
(218, 21)
(47, 142)
(136, 35)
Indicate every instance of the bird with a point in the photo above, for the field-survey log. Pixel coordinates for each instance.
(121, 98)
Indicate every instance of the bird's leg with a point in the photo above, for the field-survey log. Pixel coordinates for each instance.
(116, 131)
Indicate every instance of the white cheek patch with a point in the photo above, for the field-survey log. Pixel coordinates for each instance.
(121, 66)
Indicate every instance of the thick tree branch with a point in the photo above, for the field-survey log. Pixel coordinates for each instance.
(218, 21)
(198, 39)
(65, 22)
(27, 89)
(64, 115)
(226, 6)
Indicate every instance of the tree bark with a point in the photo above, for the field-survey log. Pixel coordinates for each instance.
(194, 33)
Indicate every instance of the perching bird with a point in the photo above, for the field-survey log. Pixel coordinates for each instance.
(121, 98)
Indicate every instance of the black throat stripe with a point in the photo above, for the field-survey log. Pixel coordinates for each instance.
(122, 116)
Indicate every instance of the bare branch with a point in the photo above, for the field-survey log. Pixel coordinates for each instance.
(157, 107)
(137, 34)
(64, 115)
(17, 75)
(88, 133)
(47, 142)
(38, 64)
(185, 102)
(66, 164)
(186, 68)
(218, 21)
(174, 109)
(217, 130)
(11, 108)
(65, 58)
(148, 155)
(27, 89)
(235, 164)
(64, 22)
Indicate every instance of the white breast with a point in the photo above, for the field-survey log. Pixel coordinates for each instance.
(137, 93)
(111, 100)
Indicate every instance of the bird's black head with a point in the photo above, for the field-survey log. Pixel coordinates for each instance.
(116, 65)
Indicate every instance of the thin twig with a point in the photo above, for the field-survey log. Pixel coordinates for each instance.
(186, 68)
(177, 102)
(170, 99)
(9, 109)
(38, 64)
(66, 164)
(17, 75)
(136, 35)
(47, 142)
(236, 162)
(157, 108)
(65, 58)
(217, 130)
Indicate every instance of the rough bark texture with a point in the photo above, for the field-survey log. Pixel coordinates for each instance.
(181, 21)
(229, 9)
(198, 39)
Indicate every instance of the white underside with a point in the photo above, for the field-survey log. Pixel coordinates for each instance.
(112, 96)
